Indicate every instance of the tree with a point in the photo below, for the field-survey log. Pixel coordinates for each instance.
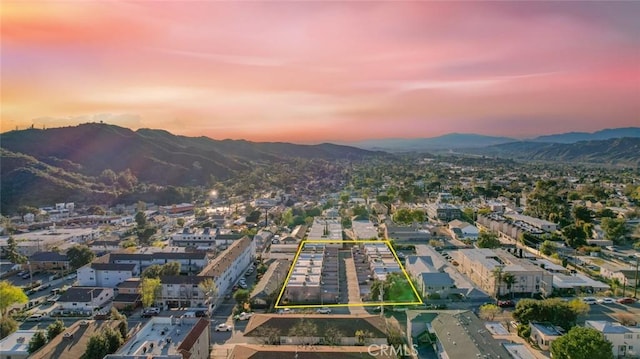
(79, 255)
(10, 295)
(55, 328)
(123, 327)
(149, 288)
(615, 228)
(332, 336)
(241, 296)
(582, 343)
(488, 240)
(509, 280)
(141, 219)
(551, 310)
(548, 248)
(582, 214)
(362, 336)
(268, 335)
(574, 235)
(254, 216)
(7, 326)
(304, 329)
(113, 339)
(579, 307)
(209, 288)
(97, 347)
(497, 277)
(180, 222)
(170, 269)
(489, 311)
(12, 253)
(152, 271)
(37, 341)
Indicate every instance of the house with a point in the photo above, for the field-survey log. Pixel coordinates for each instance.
(261, 351)
(444, 212)
(45, 261)
(84, 299)
(183, 291)
(544, 334)
(127, 294)
(16, 344)
(431, 284)
(348, 325)
(462, 230)
(106, 274)
(625, 340)
(73, 343)
(230, 264)
(406, 233)
(168, 338)
(271, 282)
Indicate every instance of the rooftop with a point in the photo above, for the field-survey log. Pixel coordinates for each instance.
(254, 351)
(219, 265)
(73, 347)
(17, 343)
(163, 336)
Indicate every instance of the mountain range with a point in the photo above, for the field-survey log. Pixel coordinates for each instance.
(456, 141)
(96, 162)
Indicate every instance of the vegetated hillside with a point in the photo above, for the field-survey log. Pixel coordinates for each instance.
(617, 151)
(156, 156)
(25, 180)
(71, 164)
(444, 142)
(606, 134)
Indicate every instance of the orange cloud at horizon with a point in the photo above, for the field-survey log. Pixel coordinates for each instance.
(313, 72)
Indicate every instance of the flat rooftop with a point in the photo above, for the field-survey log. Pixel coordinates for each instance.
(160, 336)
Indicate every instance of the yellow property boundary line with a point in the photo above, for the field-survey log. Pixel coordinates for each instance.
(363, 304)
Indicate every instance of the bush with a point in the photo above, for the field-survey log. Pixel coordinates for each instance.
(7, 326)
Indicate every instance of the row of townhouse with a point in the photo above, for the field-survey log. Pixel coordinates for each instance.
(190, 261)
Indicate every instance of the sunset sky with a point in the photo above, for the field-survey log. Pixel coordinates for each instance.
(308, 72)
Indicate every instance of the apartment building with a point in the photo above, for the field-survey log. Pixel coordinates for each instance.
(106, 274)
(190, 261)
(204, 239)
(443, 211)
(381, 260)
(484, 267)
(304, 285)
(625, 340)
(230, 264)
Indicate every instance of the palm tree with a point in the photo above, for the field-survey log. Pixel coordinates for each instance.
(497, 276)
(509, 279)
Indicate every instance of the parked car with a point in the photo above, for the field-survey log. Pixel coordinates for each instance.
(590, 300)
(150, 312)
(243, 316)
(202, 313)
(323, 310)
(506, 304)
(606, 300)
(243, 285)
(626, 300)
(35, 317)
(223, 327)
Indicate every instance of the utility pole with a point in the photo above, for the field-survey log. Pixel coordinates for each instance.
(635, 288)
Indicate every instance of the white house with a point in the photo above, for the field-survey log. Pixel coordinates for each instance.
(462, 230)
(625, 340)
(106, 274)
(84, 299)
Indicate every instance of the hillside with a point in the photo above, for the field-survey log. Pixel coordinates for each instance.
(617, 151)
(69, 162)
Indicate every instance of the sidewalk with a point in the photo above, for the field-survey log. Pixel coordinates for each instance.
(353, 287)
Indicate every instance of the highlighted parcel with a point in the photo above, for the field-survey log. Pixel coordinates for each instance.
(334, 273)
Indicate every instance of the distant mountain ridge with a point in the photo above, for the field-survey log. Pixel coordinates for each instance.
(455, 141)
(616, 151)
(448, 141)
(606, 134)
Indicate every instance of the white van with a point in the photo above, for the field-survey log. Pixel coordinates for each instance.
(188, 315)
